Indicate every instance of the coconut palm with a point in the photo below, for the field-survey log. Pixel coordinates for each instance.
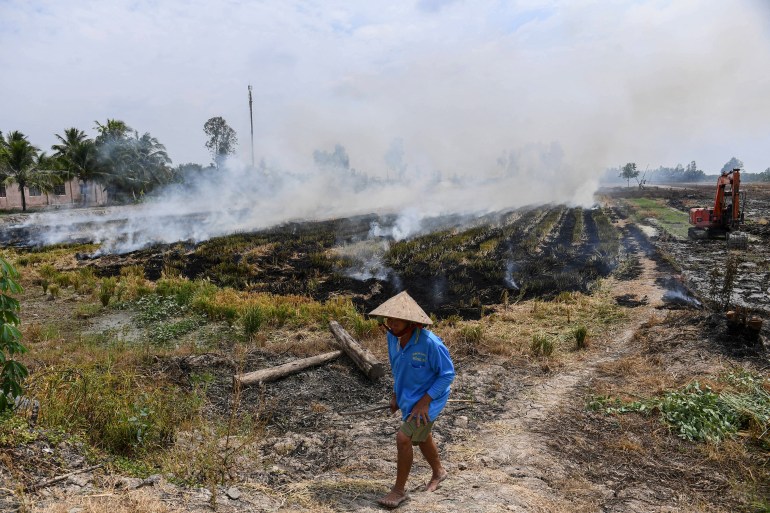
(64, 151)
(45, 177)
(86, 165)
(17, 161)
(112, 131)
(136, 165)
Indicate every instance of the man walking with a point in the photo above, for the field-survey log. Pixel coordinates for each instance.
(422, 373)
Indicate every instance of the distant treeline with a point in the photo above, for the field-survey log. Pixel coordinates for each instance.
(680, 173)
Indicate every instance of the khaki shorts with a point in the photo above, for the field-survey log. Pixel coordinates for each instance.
(417, 434)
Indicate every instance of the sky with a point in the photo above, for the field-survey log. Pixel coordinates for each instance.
(460, 83)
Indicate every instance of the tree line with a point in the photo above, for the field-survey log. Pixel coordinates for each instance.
(124, 163)
(680, 173)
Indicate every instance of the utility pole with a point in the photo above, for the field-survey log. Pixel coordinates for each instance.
(251, 119)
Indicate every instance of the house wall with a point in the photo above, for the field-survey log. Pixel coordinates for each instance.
(73, 195)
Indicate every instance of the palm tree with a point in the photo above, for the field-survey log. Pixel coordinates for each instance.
(64, 151)
(112, 131)
(86, 165)
(136, 166)
(45, 177)
(17, 159)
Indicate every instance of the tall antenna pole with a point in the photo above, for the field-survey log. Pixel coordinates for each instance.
(251, 118)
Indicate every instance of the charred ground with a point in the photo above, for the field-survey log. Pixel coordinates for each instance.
(524, 438)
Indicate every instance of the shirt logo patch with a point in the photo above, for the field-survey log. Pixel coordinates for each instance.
(419, 357)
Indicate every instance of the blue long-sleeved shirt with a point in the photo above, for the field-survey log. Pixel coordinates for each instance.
(422, 366)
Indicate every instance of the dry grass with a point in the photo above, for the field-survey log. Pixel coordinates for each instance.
(626, 443)
(508, 332)
(138, 501)
(321, 496)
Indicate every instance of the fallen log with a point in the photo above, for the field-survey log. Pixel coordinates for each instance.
(365, 361)
(275, 373)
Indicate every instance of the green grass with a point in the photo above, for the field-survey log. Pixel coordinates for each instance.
(673, 221)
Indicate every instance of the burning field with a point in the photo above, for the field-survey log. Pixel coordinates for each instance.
(573, 331)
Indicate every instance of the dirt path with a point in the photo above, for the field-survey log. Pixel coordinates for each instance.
(507, 465)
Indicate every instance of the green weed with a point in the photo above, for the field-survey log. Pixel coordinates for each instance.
(580, 333)
(14, 430)
(541, 345)
(252, 320)
(165, 332)
(87, 310)
(699, 414)
(107, 290)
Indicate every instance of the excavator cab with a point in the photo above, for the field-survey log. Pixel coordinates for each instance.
(726, 217)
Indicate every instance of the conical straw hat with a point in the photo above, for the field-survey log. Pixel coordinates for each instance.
(402, 306)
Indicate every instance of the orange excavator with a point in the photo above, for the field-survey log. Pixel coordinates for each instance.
(726, 217)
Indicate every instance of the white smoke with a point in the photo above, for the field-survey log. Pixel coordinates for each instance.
(239, 198)
(458, 102)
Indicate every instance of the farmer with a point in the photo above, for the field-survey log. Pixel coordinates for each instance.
(422, 373)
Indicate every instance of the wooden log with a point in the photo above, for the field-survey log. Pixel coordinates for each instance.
(275, 373)
(365, 361)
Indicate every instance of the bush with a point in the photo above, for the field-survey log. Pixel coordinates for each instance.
(252, 320)
(53, 289)
(580, 333)
(541, 345)
(12, 373)
(107, 290)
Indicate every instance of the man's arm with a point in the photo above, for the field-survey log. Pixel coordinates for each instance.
(393, 403)
(445, 374)
(445, 371)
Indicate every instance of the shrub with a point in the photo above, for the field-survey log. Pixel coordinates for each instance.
(53, 289)
(541, 345)
(48, 271)
(107, 290)
(252, 320)
(580, 333)
(12, 373)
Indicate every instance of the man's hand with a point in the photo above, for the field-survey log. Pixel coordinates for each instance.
(420, 410)
(393, 404)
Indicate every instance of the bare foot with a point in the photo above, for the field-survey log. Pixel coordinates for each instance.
(432, 485)
(392, 499)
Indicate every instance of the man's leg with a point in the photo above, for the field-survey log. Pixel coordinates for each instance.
(430, 451)
(397, 494)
